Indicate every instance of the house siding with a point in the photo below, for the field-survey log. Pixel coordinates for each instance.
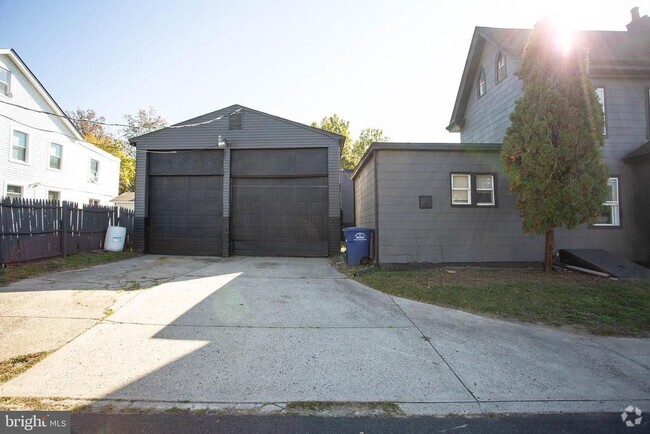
(641, 172)
(487, 117)
(365, 195)
(448, 233)
(35, 176)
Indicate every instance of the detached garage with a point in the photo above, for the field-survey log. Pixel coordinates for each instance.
(238, 181)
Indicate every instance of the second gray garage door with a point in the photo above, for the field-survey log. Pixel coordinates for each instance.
(279, 202)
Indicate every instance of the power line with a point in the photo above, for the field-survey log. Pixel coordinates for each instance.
(64, 117)
(108, 124)
(39, 129)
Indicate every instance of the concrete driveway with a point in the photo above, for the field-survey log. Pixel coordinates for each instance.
(256, 333)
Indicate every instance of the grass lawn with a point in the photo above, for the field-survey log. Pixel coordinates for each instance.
(15, 272)
(561, 298)
(17, 365)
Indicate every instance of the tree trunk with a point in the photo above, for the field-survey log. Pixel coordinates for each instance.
(548, 251)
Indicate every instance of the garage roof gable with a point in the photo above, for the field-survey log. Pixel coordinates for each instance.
(259, 128)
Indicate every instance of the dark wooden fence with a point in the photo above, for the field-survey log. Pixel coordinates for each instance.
(36, 229)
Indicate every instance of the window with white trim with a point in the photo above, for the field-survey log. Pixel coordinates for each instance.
(484, 190)
(476, 189)
(19, 144)
(5, 82)
(502, 72)
(14, 191)
(93, 175)
(53, 195)
(600, 92)
(93, 202)
(610, 215)
(461, 189)
(56, 155)
(482, 87)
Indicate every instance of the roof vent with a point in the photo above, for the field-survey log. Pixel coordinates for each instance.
(236, 120)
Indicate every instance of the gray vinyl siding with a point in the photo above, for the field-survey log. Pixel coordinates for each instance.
(486, 117)
(445, 233)
(470, 234)
(333, 182)
(642, 210)
(259, 131)
(364, 195)
(347, 197)
(626, 115)
(140, 183)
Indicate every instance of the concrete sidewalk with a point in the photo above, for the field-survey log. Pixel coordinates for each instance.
(256, 333)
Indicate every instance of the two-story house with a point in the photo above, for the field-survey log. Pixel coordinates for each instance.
(42, 154)
(450, 202)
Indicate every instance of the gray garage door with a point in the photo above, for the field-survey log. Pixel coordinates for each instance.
(279, 202)
(185, 210)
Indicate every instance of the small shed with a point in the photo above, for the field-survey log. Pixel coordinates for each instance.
(238, 181)
(125, 200)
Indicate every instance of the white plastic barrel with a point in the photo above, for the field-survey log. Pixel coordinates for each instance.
(115, 237)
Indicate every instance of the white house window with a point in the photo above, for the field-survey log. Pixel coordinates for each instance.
(93, 176)
(461, 189)
(5, 82)
(93, 202)
(484, 190)
(55, 156)
(610, 216)
(14, 191)
(501, 67)
(482, 88)
(600, 92)
(53, 195)
(19, 146)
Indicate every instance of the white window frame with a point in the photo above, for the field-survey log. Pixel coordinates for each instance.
(501, 56)
(14, 184)
(468, 189)
(613, 204)
(91, 200)
(11, 146)
(50, 155)
(482, 83)
(93, 178)
(54, 191)
(7, 83)
(491, 190)
(600, 93)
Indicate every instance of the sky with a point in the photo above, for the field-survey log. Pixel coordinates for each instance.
(393, 65)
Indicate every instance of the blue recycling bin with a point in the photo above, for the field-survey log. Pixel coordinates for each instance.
(357, 244)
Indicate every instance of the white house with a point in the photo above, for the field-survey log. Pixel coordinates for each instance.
(42, 154)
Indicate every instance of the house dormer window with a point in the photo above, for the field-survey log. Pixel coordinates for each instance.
(482, 86)
(5, 82)
(502, 72)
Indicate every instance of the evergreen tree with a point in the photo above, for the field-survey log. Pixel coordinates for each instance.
(552, 150)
